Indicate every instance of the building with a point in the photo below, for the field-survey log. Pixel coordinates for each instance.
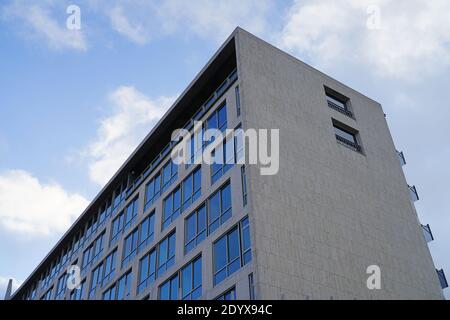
(339, 203)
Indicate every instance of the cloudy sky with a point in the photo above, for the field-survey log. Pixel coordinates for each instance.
(75, 103)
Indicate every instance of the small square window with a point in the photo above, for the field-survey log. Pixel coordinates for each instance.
(338, 102)
(346, 136)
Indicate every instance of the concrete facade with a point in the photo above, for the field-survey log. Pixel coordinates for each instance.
(315, 227)
(330, 212)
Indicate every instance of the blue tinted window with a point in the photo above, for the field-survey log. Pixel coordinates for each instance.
(191, 275)
(229, 295)
(219, 208)
(130, 246)
(169, 289)
(231, 251)
(166, 252)
(147, 230)
(195, 228)
(223, 160)
(171, 207)
(152, 191)
(147, 270)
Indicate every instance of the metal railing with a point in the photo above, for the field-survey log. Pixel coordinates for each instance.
(442, 278)
(413, 193)
(427, 233)
(338, 108)
(401, 157)
(349, 143)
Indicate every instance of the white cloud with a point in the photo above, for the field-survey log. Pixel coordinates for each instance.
(214, 19)
(413, 40)
(41, 25)
(30, 207)
(4, 285)
(141, 21)
(133, 116)
(120, 23)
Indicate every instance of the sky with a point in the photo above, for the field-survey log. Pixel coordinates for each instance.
(75, 102)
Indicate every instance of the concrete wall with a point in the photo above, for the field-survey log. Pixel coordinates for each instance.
(330, 212)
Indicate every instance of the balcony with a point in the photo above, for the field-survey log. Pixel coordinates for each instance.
(442, 279)
(401, 157)
(413, 193)
(427, 233)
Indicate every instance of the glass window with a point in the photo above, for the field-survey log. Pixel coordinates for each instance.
(336, 102)
(345, 135)
(238, 101)
(191, 188)
(191, 276)
(219, 207)
(121, 289)
(195, 226)
(166, 253)
(131, 212)
(147, 270)
(224, 159)
(171, 207)
(77, 294)
(152, 191)
(147, 230)
(244, 186)
(231, 251)
(229, 295)
(130, 246)
(169, 289)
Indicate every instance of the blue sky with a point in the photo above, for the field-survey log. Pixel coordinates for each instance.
(75, 103)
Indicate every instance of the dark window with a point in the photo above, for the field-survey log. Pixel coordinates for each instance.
(338, 102)
(251, 287)
(346, 137)
(238, 101)
(231, 251)
(48, 294)
(244, 186)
